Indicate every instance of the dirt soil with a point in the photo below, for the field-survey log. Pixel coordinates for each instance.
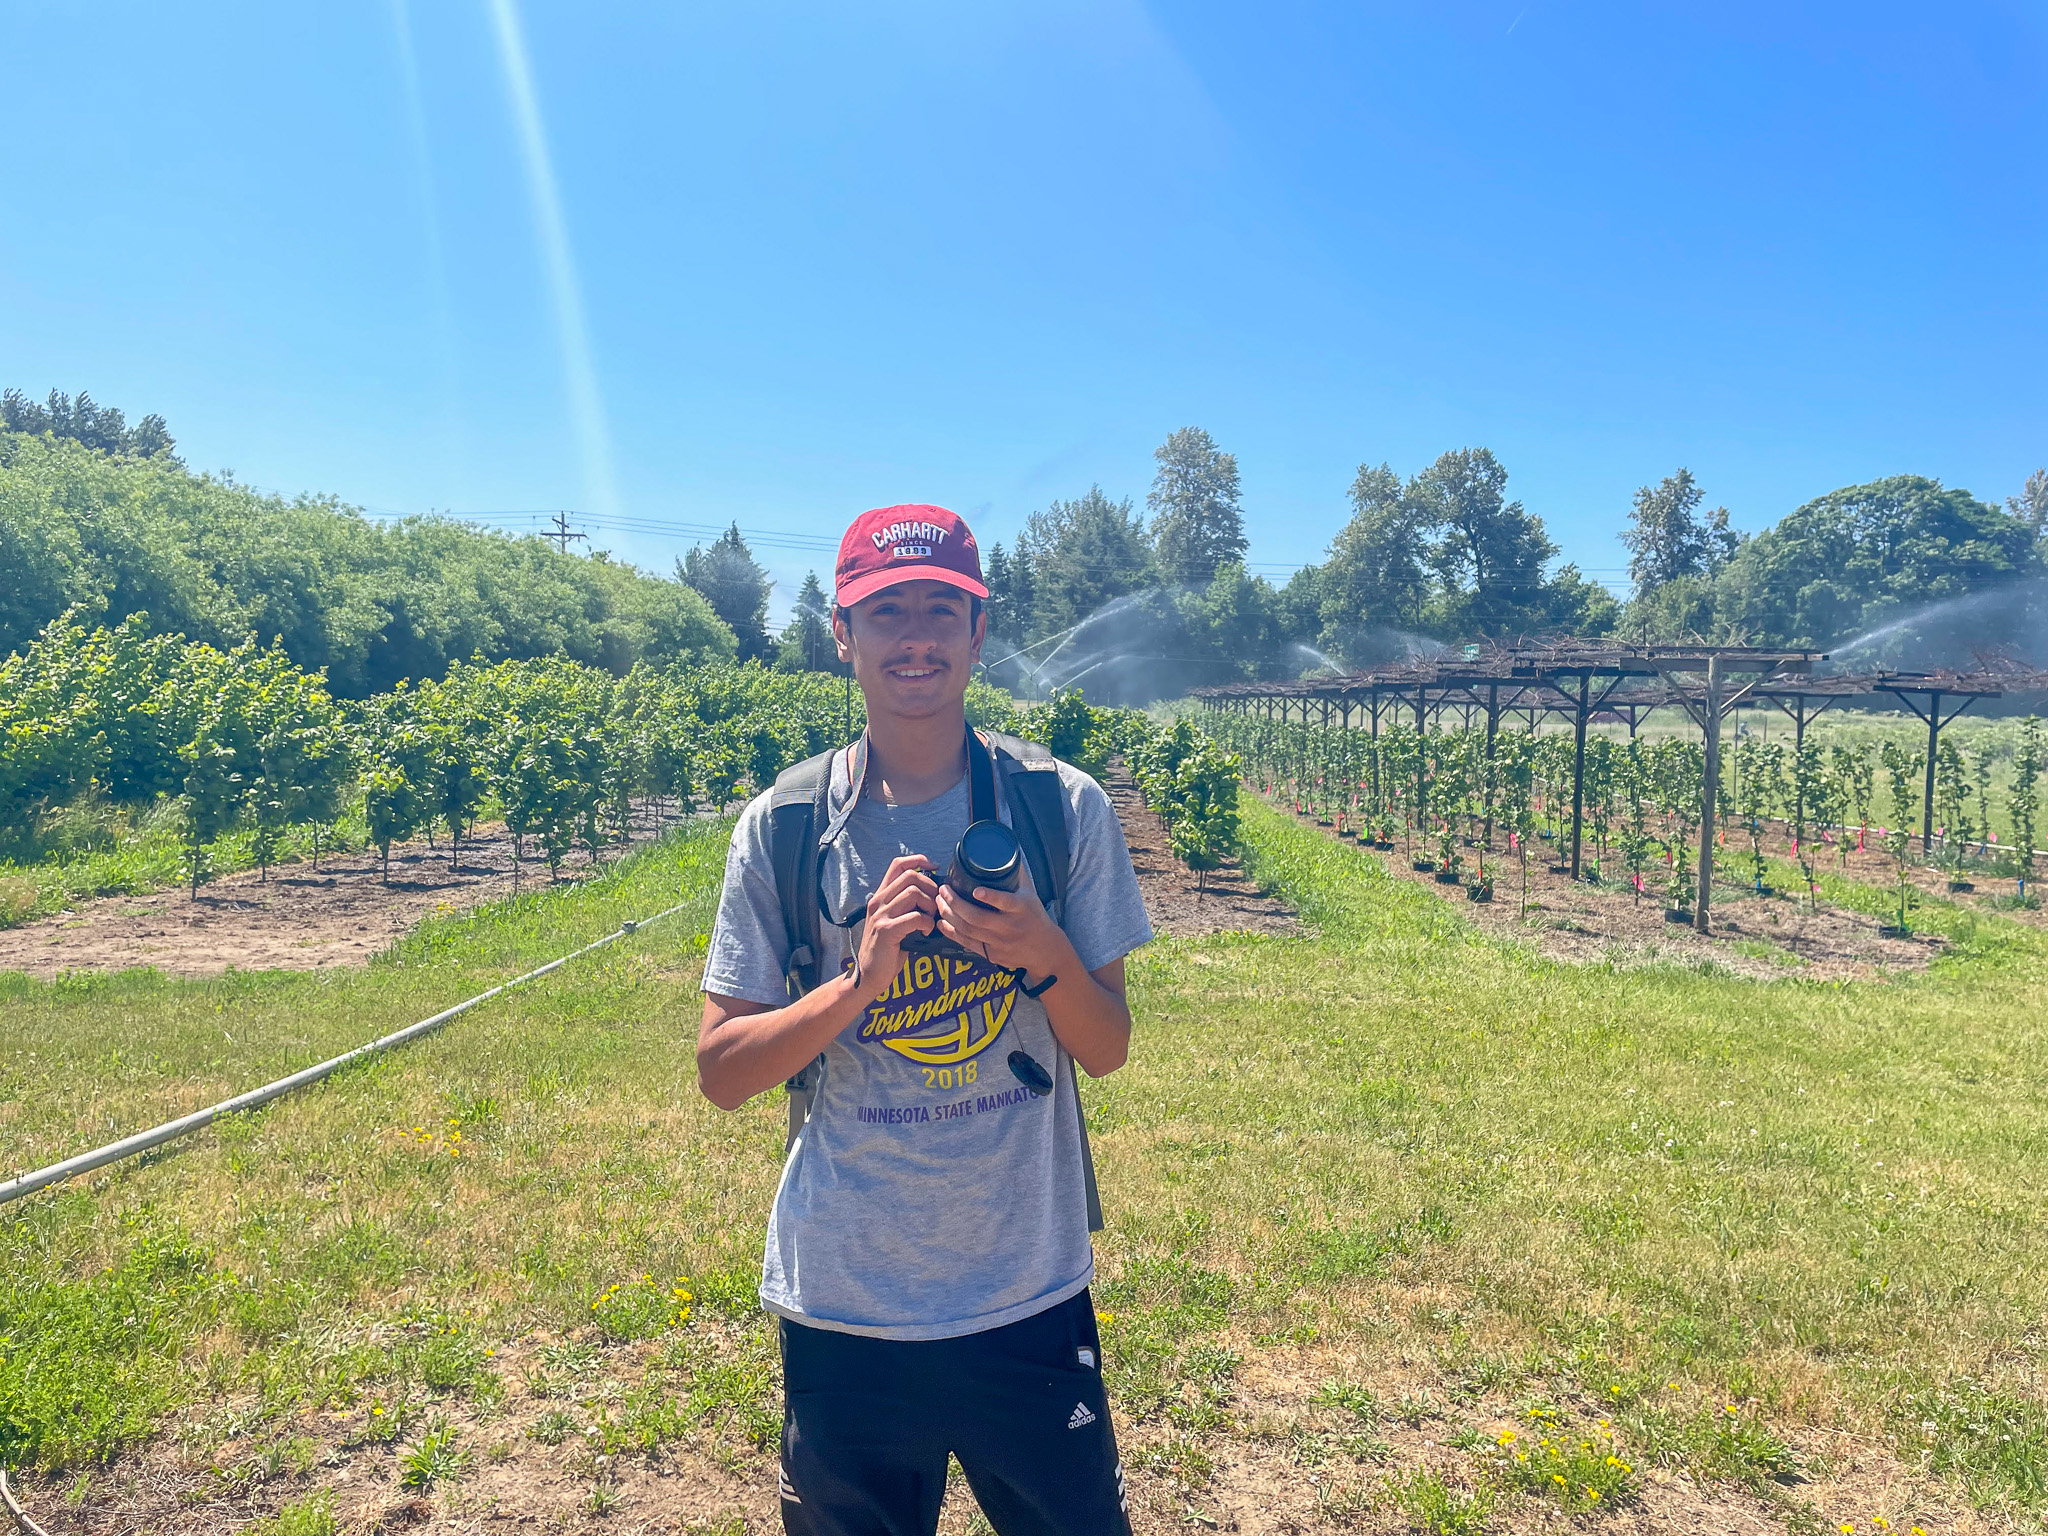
(300, 919)
(1282, 1466)
(1767, 937)
(1225, 900)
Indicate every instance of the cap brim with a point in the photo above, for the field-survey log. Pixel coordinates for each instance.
(868, 585)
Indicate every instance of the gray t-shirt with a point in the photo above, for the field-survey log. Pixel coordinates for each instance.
(930, 1194)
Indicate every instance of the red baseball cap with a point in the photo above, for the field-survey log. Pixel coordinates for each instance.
(912, 542)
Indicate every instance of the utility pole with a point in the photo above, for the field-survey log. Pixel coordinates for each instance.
(563, 533)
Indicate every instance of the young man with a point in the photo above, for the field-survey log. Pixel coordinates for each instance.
(928, 1251)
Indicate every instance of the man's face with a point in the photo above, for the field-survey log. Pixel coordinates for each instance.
(911, 647)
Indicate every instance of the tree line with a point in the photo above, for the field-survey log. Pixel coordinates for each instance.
(1126, 603)
(96, 524)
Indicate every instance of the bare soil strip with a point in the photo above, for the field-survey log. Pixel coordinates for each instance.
(299, 919)
(1179, 903)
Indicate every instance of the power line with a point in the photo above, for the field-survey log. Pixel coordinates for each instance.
(563, 534)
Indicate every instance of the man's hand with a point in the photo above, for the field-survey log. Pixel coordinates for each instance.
(1011, 928)
(905, 903)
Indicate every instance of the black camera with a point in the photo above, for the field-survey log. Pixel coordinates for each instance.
(989, 856)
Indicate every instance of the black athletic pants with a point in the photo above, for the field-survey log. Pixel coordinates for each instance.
(867, 1425)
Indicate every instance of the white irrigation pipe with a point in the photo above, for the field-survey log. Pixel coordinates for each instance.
(142, 1141)
(14, 1508)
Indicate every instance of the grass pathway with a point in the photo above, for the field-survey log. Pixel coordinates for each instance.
(1378, 1196)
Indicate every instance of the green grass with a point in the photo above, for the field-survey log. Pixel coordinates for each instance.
(1436, 1509)
(1465, 1176)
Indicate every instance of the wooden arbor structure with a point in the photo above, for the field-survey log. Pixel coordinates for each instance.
(1927, 694)
(1580, 679)
(1586, 680)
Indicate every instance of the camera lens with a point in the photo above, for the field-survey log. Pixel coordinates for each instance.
(989, 854)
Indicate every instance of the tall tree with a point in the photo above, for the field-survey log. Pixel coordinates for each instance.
(1374, 577)
(1667, 538)
(732, 581)
(2031, 505)
(1083, 555)
(807, 638)
(1488, 552)
(100, 428)
(1861, 556)
(1011, 595)
(1196, 524)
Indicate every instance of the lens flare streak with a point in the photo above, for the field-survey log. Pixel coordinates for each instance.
(586, 404)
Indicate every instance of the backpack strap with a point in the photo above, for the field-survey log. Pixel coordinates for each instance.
(1038, 807)
(796, 810)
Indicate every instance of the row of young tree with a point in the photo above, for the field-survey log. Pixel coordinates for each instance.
(244, 738)
(1184, 775)
(1441, 793)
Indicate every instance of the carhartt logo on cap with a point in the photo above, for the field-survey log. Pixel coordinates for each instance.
(907, 543)
(913, 541)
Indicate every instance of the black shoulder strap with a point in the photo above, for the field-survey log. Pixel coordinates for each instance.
(797, 808)
(1038, 808)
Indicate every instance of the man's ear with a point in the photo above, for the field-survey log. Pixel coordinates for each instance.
(980, 634)
(842, 634)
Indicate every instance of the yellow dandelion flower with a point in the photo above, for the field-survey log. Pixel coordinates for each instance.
(1507, 1438)
(1105, 1318)
(1557, 1479)
(1847, 1528)
(1592, 1492)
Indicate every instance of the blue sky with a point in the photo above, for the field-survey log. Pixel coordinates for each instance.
(796, 262)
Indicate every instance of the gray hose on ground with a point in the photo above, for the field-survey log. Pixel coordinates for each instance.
(14, 1508)
(142, 1141)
